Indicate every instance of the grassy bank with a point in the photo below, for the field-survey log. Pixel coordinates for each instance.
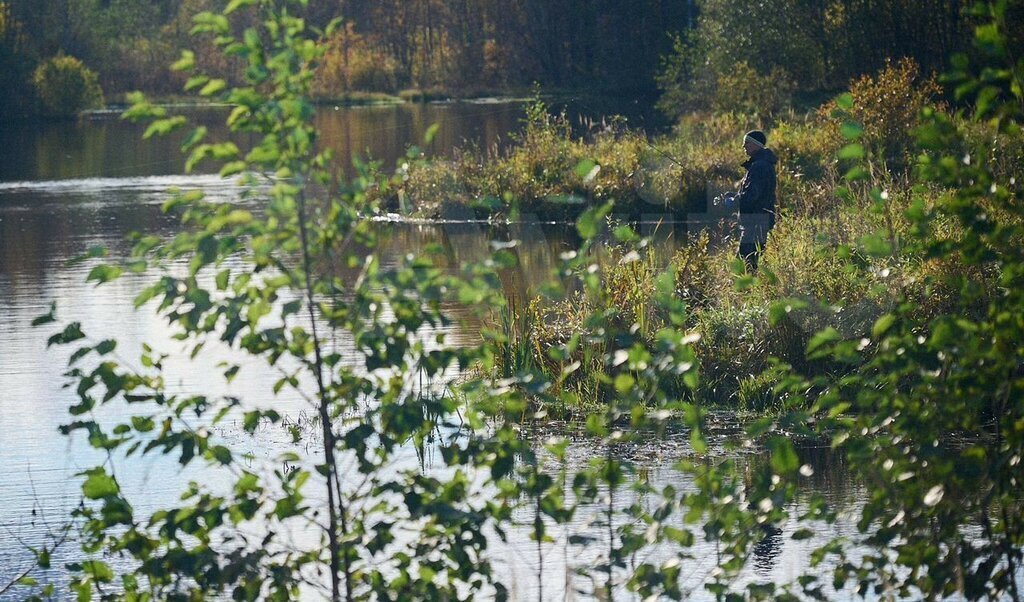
(841, 255)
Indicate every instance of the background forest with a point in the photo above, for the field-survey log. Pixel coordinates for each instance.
(689, 49)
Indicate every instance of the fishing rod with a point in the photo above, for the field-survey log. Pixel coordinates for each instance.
(662, 153)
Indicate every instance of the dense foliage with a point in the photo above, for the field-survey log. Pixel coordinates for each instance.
(930, 413)
(287, 287)
(450, 46)
(66, 87)
(809, 46)
(717, 54)
(926, 406)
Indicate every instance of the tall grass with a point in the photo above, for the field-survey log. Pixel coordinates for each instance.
(838, 251)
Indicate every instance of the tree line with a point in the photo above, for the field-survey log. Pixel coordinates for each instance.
(695, 51)
(746, 54)
(456, 45)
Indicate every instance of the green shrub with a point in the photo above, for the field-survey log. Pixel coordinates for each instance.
(742, 89)
(732, 348)
(803, 257)
(808, 148)
(888, 105)
(66, 86)
(757, 394)
(428, 185)
(694, 274)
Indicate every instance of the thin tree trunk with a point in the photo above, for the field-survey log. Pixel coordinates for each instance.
(334, 506)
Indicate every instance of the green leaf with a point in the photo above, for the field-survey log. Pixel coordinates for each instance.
(596, 425)
(162, 127)
(98, 484)
(625, 234)
(232, 168)
(745, 282)
(589, 223)
(778, 310)
(141, 109)
(845, 101)
(236, 4)
(208, 22)
(99, 571)
(196, 81)
(882, 325)
(760, 427)
(194, 137)
(876, 245)
(851, 151)
(697, 442)
(222, 279)
(802, 534)
(187, 62)
(784, 459)
(851, 130)
(624, 383)
(47, 318)
(214, 86)
(237, 114)
(143, 424)
(587, 169)
(431, 133)
(251, 421)
(104, 273)
(72, 332)
(221, 454)
(857, 173)
(823, 338)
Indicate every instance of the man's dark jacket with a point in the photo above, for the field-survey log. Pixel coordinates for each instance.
(757, 190)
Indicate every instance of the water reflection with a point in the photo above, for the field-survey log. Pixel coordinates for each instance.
(768, 550)
(66, 187)
(103, 145)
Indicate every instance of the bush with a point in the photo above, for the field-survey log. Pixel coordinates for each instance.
(757, 394)
(66, 86)
(742, 89)
(888, 106)
(809, 150)
(427, 185)
(802, 256)
(697, 283)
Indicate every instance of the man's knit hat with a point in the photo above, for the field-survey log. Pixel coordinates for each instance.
(756, 136)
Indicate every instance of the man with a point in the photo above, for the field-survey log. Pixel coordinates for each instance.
(756, 197)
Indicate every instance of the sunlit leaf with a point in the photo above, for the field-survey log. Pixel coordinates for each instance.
(98, 484)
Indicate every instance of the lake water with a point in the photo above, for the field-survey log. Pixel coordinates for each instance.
(65, 187)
